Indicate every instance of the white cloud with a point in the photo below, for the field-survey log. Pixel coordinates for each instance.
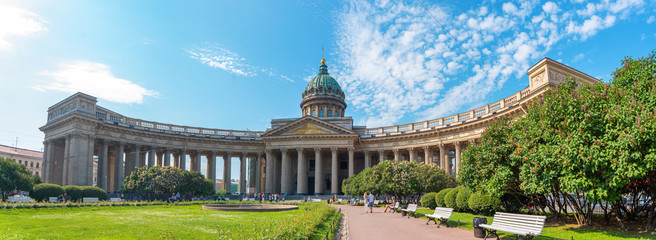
(94, 79)
(396, 62)
(18, 22)
(578, 57)
(590, 26)
(651, 19)
(218, 57)
(550, 7)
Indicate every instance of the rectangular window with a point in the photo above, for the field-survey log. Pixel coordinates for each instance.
(31, 164)
(37, 165)
(343, 165)
(321, 113)
(37, 173)
(20, 161)
(311, 165)
(314, 113)
(330, 113)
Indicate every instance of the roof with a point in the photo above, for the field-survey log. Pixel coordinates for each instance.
(20, 152)
(323, 79)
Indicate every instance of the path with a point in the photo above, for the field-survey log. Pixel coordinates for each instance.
(379, 225)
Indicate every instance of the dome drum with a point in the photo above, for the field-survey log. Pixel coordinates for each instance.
(323, 97)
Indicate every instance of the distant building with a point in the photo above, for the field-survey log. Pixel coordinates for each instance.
(33, 160)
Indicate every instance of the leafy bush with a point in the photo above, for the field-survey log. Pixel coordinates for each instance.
(462, 199)
(428, 200)
(75, 192)
(89, 191)
(484, 204)
(439, 197)
(42, 191)
(450, 198)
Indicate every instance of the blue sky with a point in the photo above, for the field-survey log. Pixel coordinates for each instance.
(239, 64)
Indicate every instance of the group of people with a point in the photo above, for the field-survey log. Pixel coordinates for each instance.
(63, 198)
(368, 203)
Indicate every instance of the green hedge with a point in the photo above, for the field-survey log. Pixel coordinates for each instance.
(439, 197)
(450, 198)
(42, 191)
(484, 204)
(428, 200)
(462, 199)
(89, 191)
(75, 192)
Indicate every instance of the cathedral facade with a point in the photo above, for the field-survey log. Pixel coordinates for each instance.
(312, 154)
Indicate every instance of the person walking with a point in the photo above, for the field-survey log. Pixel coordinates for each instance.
(371, 203)
(364, 201)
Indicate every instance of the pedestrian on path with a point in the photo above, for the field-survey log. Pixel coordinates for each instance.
(371, 203)
(364, 201)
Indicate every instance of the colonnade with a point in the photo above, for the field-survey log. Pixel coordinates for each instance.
(116, 160)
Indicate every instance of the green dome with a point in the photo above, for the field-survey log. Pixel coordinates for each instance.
(323, 80)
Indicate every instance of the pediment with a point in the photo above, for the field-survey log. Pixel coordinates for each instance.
(308, 125)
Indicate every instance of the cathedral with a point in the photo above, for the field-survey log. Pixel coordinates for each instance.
(310, 154)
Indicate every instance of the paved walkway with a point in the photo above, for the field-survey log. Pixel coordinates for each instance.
(379, 225)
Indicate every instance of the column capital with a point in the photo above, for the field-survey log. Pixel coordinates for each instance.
(426, 148)
(365, 152)
(381, 152)
(268, 151)
(472, 141)
(441, 146)
(411, 149)
(457, 144)
(317, 149)
(299, 149)
(395, 150)
(243, 154)
(283, 150)
(333, 149)
(351, 149)
(213, 152)
(227, 155)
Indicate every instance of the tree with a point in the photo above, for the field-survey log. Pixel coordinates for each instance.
(166, 181)
(14, 176)
(401, 179)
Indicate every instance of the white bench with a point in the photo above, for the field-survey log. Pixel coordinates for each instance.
(441, 214)
(53, 199)
(376, 202)
(115, 199)
(526, 226)
(89, 199)
(19, 199)
(412, 208)
(395, 207)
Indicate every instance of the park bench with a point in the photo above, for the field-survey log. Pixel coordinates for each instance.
(19, 199)
(522, 225)
(376, 202)
(90, 199)
(412, 208)
(53, 199)
(441, 214)
(395, 207)
(115, 199)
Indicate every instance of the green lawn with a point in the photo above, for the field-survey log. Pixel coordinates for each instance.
(162, 222)
(564, 232)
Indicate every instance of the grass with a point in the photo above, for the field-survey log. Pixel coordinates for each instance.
(551, 230)
(161, 222)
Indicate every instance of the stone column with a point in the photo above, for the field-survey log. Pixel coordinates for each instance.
(183, 159)
(66, 160)
(318, 180)
(284, 172)
(197, 160)
(47, 161)
(412, 154)
(442, 156)
(351, 151)
(176, 160)
(242, 173)
(397, 155)
(268, 176)
(458, 152)
(211, 168)
(135, 158)
(160, 158)
(447, 162)
(227, 170)
(367, 159)
(301, 175)
(258, 174)
(151, 157)
(118, 167)
(102, 166)
(381, 156)
(427, 154)
(334, 169)
(167, 157)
